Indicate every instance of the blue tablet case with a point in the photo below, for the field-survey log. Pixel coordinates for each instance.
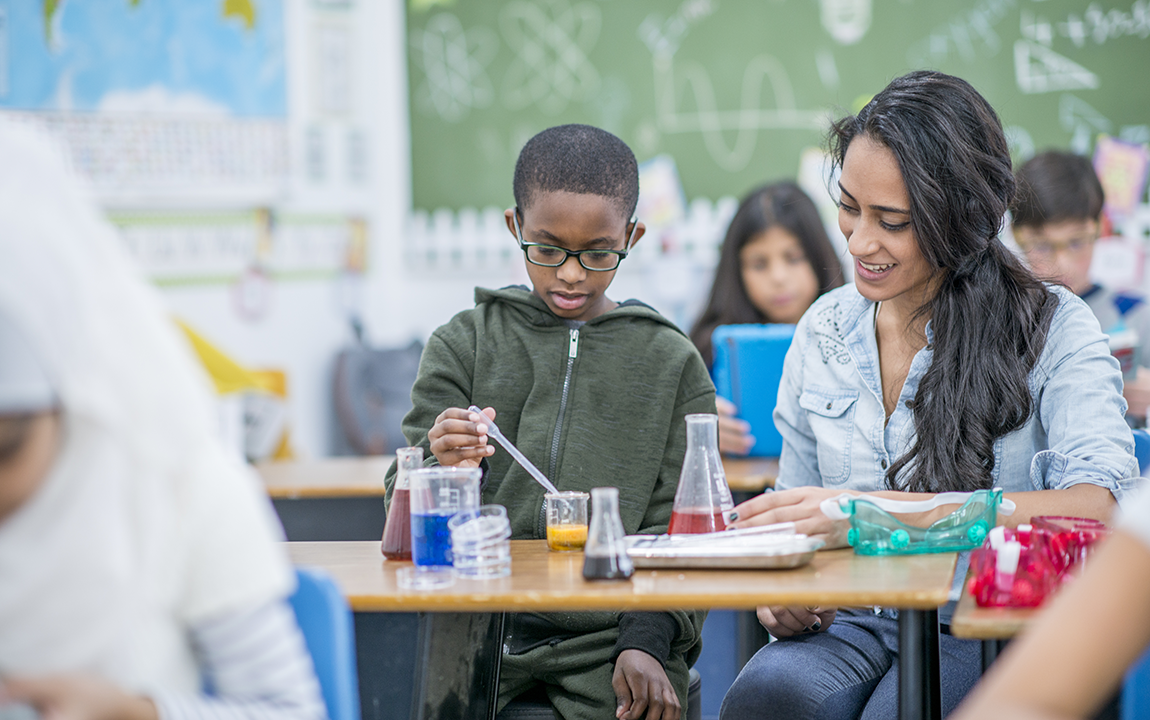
(747, 369)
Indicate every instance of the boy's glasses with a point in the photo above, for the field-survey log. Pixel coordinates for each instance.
(553, 256)
(1045, 249)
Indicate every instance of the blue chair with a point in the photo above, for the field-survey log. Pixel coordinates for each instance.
(326, 622)
(1142, 451)
(1136, 690)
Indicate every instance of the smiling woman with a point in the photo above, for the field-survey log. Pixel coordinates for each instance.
(947, 366)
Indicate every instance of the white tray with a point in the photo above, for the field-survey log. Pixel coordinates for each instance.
(720, 550)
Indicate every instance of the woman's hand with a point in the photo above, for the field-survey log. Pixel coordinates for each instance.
(783, 622)
(77, 697)
(459, 437)
(641, 686)
(735, 436)
(798, 505)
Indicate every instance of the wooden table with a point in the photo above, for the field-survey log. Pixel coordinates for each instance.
(993, 626)
(330, 498)
(543, 581)
(750, 475)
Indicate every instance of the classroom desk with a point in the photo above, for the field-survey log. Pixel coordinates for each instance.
(544, 581)
(328, 499)
(993, 626)
(750, 475)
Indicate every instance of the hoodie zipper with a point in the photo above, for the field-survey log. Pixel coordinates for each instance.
(572, 353)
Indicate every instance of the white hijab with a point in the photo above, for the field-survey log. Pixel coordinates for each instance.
(145, 524)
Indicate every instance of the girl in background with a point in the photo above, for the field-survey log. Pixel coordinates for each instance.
(776, 260)
(140, 561)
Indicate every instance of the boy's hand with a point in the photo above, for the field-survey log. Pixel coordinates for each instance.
(459, 437)
(641, 685)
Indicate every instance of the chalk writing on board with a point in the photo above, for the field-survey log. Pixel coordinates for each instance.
(551, 40)
(968, 35)
(1083, 122)
(846, 20)
(1038, 69)
(755, 112)
(454, 63)
(1101, 26)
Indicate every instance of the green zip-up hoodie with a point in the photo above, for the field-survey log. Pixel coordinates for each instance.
(598, 405)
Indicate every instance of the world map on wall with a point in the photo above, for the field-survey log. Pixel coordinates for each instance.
(212, 58)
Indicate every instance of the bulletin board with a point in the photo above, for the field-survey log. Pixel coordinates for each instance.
(735, 90)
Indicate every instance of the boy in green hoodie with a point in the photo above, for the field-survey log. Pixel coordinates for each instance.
(595, 393)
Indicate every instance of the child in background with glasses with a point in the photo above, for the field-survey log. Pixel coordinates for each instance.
(1056, 221)
(595, 393)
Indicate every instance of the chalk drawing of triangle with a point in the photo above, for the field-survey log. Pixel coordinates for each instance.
(1038, 69)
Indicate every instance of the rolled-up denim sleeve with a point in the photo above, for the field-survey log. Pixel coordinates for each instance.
(1081, 408)
(798, 461)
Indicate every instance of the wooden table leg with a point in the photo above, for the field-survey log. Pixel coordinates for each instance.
(457, 666)
(919, 680)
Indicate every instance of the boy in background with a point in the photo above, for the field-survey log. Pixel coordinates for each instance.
(595, 393)
(1056, 220)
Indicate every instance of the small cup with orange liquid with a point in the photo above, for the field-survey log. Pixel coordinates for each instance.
(566, 520)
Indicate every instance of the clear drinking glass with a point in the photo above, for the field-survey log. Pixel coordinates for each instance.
(703, 499)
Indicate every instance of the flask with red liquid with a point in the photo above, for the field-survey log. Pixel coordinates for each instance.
(703, 499)
(396, 543)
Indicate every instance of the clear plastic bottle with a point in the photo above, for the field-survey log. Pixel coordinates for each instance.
(703, 499)
(396, 544)
(605, 554)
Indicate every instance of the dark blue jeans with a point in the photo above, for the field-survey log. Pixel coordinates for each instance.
(849, 671)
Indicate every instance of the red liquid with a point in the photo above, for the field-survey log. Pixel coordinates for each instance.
(684, 522)
(396, 543)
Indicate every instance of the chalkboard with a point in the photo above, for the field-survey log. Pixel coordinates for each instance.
(734, 90)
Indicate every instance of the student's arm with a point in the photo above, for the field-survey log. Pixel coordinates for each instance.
(1072, 658)
(256, 663)
(444, 381)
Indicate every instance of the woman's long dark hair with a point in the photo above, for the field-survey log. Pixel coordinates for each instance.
(990, 316)
(781, 204)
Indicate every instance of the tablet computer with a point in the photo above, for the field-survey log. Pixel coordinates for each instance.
(747, 369)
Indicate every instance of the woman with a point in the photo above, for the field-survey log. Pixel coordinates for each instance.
(776, 260)
(139, 559)
(946, 367)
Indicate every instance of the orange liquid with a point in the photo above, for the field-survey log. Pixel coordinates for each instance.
(566, 538)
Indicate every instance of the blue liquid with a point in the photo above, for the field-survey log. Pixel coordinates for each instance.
(430, 539)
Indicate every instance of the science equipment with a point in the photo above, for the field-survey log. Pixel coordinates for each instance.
(765, 547)
(497, 436)
(566, 520)
(605, 555)
(396, 543)
(703, 499)
(876, 531)
(481, 542)
(1013, 568)
(437, 494)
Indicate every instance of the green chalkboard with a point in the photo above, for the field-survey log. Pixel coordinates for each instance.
(734, 90)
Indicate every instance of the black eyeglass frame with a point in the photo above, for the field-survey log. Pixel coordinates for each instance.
(577, 254)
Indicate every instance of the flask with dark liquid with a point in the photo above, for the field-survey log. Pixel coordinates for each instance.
(396, 543)
(605, 554)
(703, 499)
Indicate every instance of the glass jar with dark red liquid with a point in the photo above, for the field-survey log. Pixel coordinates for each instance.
(396, 543)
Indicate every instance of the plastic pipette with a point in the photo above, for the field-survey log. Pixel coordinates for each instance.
(493, 431)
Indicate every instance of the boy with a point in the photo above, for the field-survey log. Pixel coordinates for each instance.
(1056, 220)
(595, 393)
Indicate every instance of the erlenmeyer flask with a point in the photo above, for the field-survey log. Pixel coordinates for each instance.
(703, 499)
(396, 543)
(605, 554)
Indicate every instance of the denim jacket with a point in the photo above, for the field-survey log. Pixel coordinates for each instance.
(835, 434)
